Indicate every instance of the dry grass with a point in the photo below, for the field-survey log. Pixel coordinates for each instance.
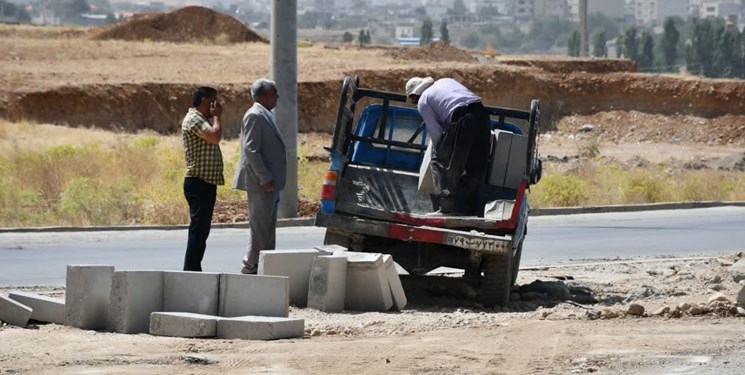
(36, 60)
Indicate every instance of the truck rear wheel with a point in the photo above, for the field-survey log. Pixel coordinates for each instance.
(497, 282)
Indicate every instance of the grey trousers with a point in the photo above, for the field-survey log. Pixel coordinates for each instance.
(262, 224)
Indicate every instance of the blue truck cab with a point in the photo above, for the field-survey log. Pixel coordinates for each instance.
(373, 200)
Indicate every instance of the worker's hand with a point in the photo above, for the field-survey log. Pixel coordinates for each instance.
(216, 108)
(269, 186)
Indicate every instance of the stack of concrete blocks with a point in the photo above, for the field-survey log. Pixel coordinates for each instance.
(169, 303)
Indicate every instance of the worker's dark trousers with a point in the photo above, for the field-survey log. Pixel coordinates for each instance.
(459, 160)
(201, 196)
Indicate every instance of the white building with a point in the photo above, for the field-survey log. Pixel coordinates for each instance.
(614, 9)
(653, 12)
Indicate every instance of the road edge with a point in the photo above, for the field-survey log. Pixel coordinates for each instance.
(309, 221)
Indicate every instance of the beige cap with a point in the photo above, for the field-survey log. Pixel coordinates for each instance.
(417, 85)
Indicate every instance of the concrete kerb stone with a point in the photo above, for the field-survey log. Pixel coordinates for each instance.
(45, 309)
(308, 221)
(397, 289)
(242, 295)
(14, 312)
(368, 288)
(179, 324)
(260, 328)
(328, 283)
(87, 295)
(192, 292)
(134, 296)
(295, 264)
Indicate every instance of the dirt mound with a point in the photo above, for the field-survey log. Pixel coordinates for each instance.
(636, 127)
(189, 24)
(435, 51)
(567, 65)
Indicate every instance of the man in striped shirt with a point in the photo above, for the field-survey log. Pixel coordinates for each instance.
(201, 132)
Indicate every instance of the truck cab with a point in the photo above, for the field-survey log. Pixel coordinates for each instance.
(375, 193)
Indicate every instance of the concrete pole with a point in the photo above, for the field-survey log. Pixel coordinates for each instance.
(583, 47)
(283, 62)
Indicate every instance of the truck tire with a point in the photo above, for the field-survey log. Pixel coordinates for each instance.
(497, 282)
(337, 238)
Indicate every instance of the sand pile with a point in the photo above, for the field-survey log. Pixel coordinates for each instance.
(184, 25)
(435, 51)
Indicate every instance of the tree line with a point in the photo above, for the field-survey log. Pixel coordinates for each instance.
(707, 47)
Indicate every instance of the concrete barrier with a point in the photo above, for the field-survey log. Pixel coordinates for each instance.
(394, 281)
(368, 288)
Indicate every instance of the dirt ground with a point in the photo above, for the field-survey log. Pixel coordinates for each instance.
(574, 318)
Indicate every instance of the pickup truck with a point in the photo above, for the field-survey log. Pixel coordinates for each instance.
(371, 199)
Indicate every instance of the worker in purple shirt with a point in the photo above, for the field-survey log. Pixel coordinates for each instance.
(460, 129)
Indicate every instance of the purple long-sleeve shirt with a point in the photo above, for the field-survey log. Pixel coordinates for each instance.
(438, 102)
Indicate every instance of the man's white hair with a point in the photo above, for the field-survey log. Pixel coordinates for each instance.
(260, 85)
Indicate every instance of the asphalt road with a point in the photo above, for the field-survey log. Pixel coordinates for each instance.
(41, 258)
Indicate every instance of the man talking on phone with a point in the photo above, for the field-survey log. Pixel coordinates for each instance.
(201, 132)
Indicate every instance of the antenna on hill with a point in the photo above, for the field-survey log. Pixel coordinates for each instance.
(583, 45)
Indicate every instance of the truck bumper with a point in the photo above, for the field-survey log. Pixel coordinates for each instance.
(472, 240)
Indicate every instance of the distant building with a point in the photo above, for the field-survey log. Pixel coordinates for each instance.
(324, 5)
(614, 9)
(720, 9)
(550, 8)
(523, 9)
(652, 12)
(404, 31)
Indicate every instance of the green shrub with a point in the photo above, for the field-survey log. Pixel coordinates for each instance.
(559, 189)
(89, 202)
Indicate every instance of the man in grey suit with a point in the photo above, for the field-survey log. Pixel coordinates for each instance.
(261, 171)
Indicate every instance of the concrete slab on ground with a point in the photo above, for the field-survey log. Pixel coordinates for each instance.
(260, 328)
(14, 312)
(45, 309)
(177, 324)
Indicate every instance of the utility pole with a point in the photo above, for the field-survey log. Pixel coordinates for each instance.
(583, 46)
(283, 61)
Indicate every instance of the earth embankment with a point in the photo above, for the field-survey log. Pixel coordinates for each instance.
(160, 106)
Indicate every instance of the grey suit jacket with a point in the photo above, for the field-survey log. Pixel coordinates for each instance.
(263, 156)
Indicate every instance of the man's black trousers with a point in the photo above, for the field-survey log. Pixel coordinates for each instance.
(201, 197)
(460, 159)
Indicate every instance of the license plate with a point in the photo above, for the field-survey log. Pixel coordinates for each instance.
(475, 243)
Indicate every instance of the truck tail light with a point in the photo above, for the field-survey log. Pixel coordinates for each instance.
(328, 190)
